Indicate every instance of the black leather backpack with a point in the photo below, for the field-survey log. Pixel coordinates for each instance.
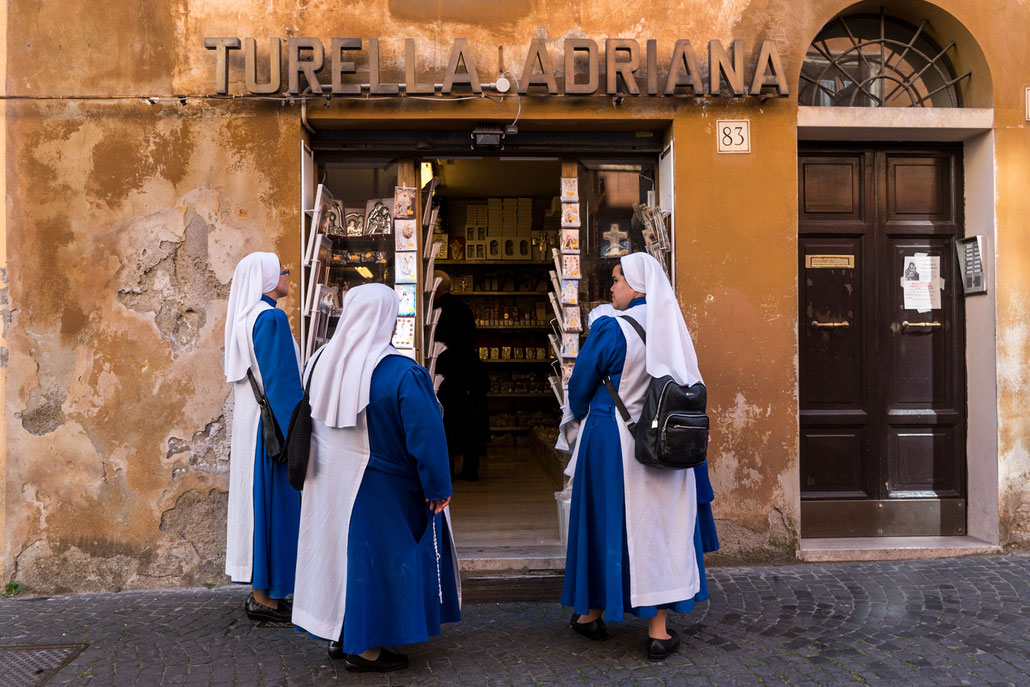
(672, 433)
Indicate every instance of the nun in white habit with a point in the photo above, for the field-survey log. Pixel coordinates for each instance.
(376, 565)
(636, 534)
(264, 510)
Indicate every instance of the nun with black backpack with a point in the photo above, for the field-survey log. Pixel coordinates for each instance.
(637, 533)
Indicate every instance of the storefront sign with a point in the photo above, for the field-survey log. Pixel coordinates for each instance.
(628, 69)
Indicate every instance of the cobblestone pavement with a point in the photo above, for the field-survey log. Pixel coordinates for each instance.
(963, 621)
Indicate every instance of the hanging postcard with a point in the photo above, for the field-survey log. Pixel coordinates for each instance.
(614, 241)
(570, 215)
(378, 216)
(404, 333)
(570, 291)
(571, 318)
(405, 268)
(569, 345)
(404, 235)
(570, 267)
(404, 202)
(405, 299)
(566, 374)
(569, 190)
(570, 240)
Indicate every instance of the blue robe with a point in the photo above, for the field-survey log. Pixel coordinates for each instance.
(276, 503)
(597, 559)
(393, 589)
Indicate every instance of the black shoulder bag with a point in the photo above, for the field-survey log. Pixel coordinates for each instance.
(673, 430)
(298, 437)
(270, 431)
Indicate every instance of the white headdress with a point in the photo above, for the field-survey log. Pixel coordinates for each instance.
(256, 274)
(670, 350)
(340, 389)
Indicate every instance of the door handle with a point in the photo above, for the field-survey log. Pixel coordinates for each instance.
(935, 324)
(830, 325)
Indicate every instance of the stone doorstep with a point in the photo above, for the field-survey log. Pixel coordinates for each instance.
(511, 560)
(832, 550)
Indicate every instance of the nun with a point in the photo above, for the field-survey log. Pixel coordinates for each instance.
(376, 565)
(264, 510)
(637, 534)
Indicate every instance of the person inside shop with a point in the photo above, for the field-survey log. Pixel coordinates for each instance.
(465, 383)
(376, 565)
(264, 510)
(637, 534)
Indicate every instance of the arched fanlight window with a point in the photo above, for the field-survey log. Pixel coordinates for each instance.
(868, 60)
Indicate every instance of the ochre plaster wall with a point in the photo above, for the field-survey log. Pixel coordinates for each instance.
(125, 222)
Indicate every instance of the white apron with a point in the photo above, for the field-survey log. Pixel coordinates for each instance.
(336, 466)
(239, 544)
(661, 505)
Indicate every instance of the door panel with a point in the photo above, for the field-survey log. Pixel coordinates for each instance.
(882, 386)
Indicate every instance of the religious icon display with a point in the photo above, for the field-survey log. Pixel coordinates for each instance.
(404, 235)
(404, 202)
(566, 374)
(354, 221)
(378, 217)
(325, 206)
(406, 299)
(614, 241)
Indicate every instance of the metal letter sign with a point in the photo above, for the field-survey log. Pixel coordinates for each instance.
(733, 135)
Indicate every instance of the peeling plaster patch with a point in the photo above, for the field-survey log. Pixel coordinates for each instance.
(41, 568)
(198, 518)
(209, 448)
(177, 286)
(43, 414)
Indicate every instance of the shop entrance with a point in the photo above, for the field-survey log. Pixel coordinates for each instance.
(881, 339)
(493, 224)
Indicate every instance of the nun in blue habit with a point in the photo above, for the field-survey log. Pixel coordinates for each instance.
(637, 535)
(264, 510)
(376, 565)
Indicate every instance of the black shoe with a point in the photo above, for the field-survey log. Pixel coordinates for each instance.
(661, 649)
(258, 611)
(595, 629)
(335, 650)
(387, 661)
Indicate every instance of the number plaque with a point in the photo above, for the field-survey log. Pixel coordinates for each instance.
(733, 135)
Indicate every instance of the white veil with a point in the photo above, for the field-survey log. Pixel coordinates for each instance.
(340, 390)
(670, 350)
(256, 274)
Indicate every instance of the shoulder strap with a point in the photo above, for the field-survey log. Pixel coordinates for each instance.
(258, 395)
(637, 327)
(618, 402)
(307, 387)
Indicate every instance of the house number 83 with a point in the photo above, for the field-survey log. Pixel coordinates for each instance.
(734, 135)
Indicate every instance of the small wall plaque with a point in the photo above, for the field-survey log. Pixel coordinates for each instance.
(733, 135)
(830, 262)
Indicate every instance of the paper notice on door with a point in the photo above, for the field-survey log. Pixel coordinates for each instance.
(921, 282)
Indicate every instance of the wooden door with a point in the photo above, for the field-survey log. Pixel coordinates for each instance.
(882, 378)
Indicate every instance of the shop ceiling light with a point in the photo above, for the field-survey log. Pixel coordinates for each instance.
(487, 137)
